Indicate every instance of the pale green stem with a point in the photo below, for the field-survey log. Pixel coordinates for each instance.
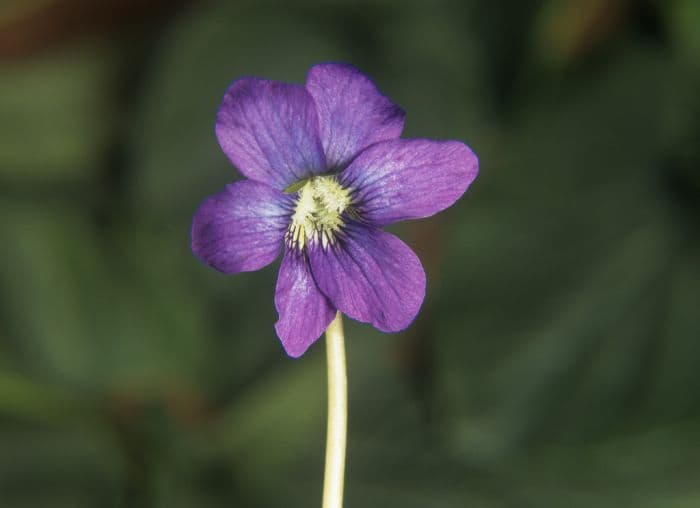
(337, 415)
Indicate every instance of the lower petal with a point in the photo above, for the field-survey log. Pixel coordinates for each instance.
(371, 276)
(304, 312)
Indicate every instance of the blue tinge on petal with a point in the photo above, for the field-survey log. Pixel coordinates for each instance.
(352, 113)
(371, 276)
(304, 312)
(269, 130)
(241, 228)
(409, 178)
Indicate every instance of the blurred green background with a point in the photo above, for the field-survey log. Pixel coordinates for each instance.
(555, 361)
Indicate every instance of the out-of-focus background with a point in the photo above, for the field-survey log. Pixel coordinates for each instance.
(555, 362)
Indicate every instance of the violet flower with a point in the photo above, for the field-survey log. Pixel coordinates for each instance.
(325, 171)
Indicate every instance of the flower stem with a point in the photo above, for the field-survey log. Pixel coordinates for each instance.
(337, 415)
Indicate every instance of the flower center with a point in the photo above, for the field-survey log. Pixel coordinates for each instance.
(318, 215)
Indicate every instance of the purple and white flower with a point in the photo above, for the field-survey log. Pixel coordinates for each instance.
(326, 170)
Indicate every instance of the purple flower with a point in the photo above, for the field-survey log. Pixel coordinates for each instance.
(325, 171)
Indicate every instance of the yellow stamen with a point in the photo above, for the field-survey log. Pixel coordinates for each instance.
(318, 215)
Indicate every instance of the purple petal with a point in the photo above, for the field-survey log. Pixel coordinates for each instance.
(241, 228)
(409, 178)
(371, 276)
(352, 113)
(304, 312)
(269, 130)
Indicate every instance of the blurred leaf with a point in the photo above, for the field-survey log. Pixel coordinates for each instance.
(645, 468)
(54, 117)
(684, 20)
(443, 97)
(25, 399)
(67, 468)
(80, 316)
(552, 318)
(566, 30)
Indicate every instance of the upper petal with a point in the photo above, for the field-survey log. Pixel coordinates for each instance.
(409, 178)
(269, 130)
(352, 113)
(371, 276)
(304, 312)
(241, 228)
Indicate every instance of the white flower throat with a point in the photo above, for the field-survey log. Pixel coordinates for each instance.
(318, 215)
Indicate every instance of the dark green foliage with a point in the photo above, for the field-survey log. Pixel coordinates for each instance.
(555, 362)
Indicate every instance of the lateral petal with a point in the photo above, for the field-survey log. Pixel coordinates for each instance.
(409, 178)
(241, 228)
